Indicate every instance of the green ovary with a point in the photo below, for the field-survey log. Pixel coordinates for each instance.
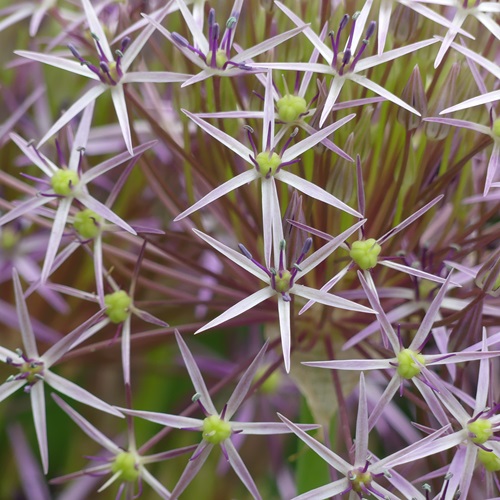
(290, 107)
(117, 306)
(215, 430)
(360, 480)
(365, 253)
(125, 464)
(268, 163)
(220, 58)
(32, 369)
(9, 239)
(282, 281)
(490, 461)
(481, 429)
(88, 224)
(64, 181)
(407, 368)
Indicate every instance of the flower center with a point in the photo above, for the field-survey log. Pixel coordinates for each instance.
(220, 58)
(126, 464)
(9, 239)
(117, 306)
(30, 370)
(365, 253)
(489, 459)
(290, 107)
(268, 163)
(480, 430)
(64, 181)
(360, 479)
(88, 224)
(283, 281)
(407, 367)
(216, 430)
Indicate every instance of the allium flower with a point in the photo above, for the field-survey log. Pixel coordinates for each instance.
(35, 372)
(409, 362)
(111, 73)
(281, 282)
(347, 64)
(216, 428)
(212, 54)
(66, 184)
(268, 167)
(126, 465)
(361, 477)
(482, 11)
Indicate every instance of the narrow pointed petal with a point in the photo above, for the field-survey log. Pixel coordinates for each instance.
(402, 225)
(101, 209)
(244, 384)
(8, 388)
(314, 191)
(430, 317)
(175, 421)
(384, 16)
(326, 454)
(268, 121)
(371, 294)
(362, 431)
(492, 167)
(81, 137)
(326, 250)
(327, 142)
(118, 96)
(268, 428)
(195, 374)
(107, 165)
(126, 351)
(360, 24)
(78, 394)
(285, 330)
(89, 96)
(22, 12)
(222, 137)
(412, 271)
(483, 379)
(27, 334)
(457, 22)
(384, 400)
(235, 256)
(41, 161)
(329, 299)
(192, 468)
(215, 194)
(59, 62)
(370, 62)
(482, 129)
(155, 77)
(267, 45)
(37, 395)
(199, 38)
(155, 484)
(351, 364)
(87, 427)
(319, 45)
(26, 207)
(240, 468)
(331, 99)
(331, 490)
(374, 87)
(96, 28)
(239, 308)
(312, 140)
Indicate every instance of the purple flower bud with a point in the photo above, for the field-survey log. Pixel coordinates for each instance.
(414, 95)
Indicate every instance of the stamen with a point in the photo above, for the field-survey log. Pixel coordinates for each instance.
(99, 47)
(282, 255)
(287, 143)
(250, 132)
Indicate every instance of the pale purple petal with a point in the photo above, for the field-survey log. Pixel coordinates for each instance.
(492, 167)
(312, 140)
(126, 350)
(195, 374)
(154, 483)
(118, 96)
(486, 63)
(384, 400)
(81, 137)
(482, 129)
(199, 38)
(353, 364)
(27, 334)
(222, 137)
(25, 207)
(327, 142)
(59, 62)
(154, 77)
(221, 190)
(96, 28)
(37, 395)
(331, 98)
(239, 467)
(384, 16)
(80, 104)
(483, 379)
(268, 428)
(326, 454)
(413, 271)
(87, 427)
(244, 385)
(8, 388)
(314, 191)
(285, 330)
(235, 256)
(331, 490)
(77, 393)
(176, 421)
(40, 160)
(239, 308)
(361, 453)
(268, 120)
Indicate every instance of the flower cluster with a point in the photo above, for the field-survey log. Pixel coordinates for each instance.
(160, 160)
